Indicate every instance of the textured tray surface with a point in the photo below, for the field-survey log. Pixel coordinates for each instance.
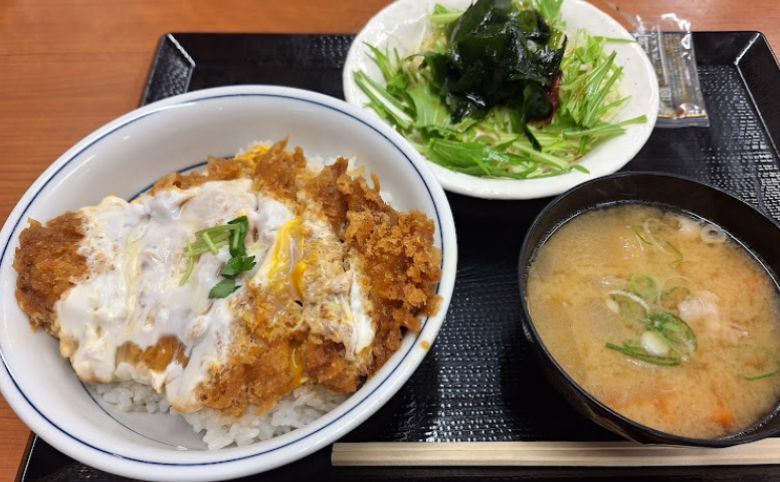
(479, 382)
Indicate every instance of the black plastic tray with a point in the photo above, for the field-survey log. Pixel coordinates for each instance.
(479, 381)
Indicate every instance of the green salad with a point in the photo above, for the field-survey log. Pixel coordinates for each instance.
(498, 90)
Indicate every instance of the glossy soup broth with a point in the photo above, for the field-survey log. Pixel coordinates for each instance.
(662, 317)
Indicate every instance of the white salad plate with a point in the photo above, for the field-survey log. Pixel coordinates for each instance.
(123, 158)
(404, 24)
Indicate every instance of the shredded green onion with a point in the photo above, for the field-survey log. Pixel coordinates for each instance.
(633, 350)
(679, 256)
(674, 296)
(209, 243)
(641, 238)
(761, 376)
(648, 235)
(188, 271)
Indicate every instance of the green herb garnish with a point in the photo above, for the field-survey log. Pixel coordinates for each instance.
(233, 234)
(237, 265)
(223, 288)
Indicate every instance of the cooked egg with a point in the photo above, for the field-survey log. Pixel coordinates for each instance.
(307, 262)
(230, 287)
(133, 295)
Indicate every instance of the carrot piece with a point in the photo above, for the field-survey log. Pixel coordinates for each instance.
(723, 416)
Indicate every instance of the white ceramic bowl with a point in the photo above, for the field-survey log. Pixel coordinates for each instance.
(125, 157)
(402, 25)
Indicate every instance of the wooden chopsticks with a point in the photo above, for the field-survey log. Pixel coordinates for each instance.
(580, 454)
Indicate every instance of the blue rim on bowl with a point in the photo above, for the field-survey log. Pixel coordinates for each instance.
(204, 465)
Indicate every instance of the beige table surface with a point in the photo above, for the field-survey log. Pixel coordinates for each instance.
(69, 66)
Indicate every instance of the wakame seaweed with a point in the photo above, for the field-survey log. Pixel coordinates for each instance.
(469, 96)
(498, 55)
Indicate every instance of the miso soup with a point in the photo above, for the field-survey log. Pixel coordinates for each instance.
(661, 316)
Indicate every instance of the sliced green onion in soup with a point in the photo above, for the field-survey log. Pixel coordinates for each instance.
(761, 376)
(680, 337)
(649, 235)
(651, 226)
(675, 295)
(641, 236)
(678, 256)
(754, 362)
(627, 304)
(667, 341)
(654, 344)
(646, 287)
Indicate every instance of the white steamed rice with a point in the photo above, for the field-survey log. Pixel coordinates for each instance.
(304, 405)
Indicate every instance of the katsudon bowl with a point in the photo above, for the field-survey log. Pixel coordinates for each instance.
(752, 232)
(123, 158)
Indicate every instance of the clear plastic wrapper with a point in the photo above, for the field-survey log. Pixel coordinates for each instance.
(668, 42)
